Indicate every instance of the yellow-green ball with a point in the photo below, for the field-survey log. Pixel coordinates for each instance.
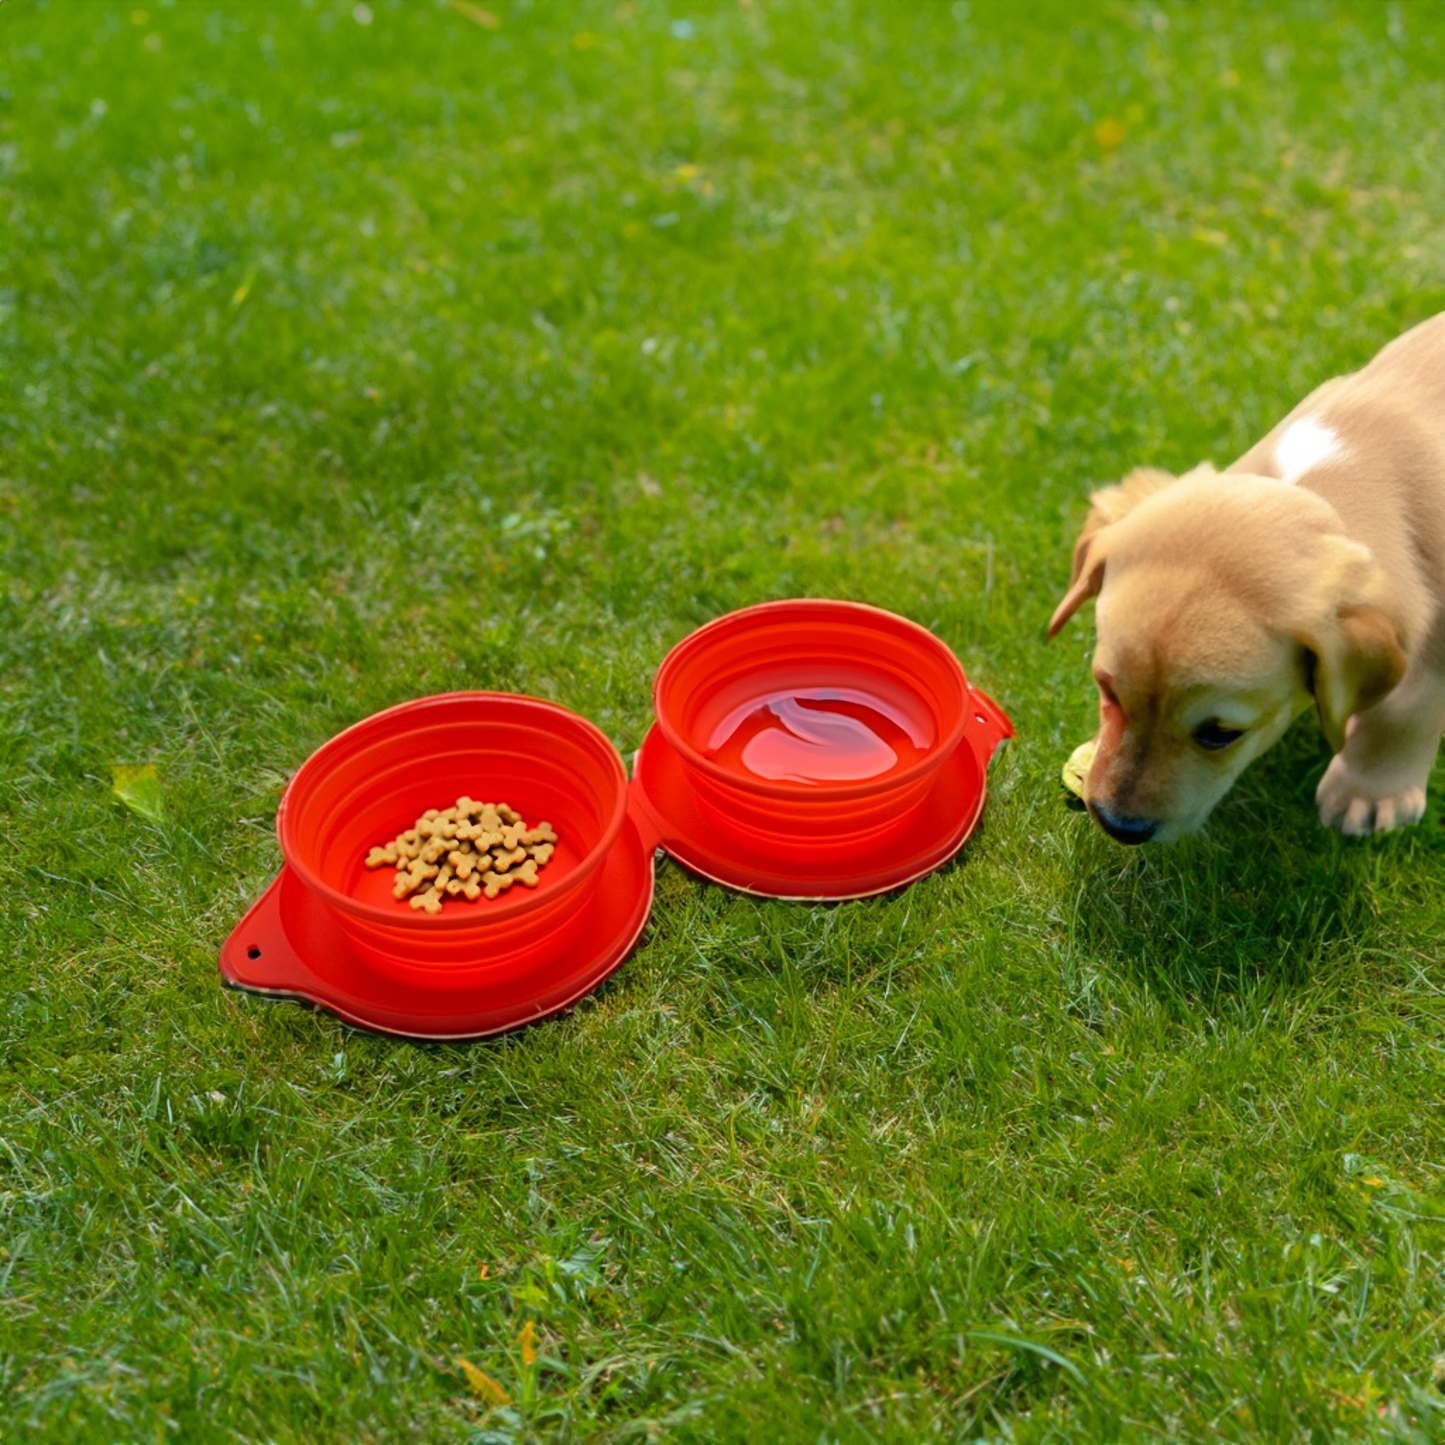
(1076, 770)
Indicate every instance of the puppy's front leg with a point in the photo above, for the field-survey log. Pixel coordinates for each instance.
(1376, 782)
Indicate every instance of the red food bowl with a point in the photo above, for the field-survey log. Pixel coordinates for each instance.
(329, 929)
(376, 779)
(803, 749)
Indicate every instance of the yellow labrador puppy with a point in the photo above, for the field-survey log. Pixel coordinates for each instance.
(1312, 570)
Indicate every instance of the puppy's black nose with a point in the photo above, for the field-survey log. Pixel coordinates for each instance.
(1126, 830)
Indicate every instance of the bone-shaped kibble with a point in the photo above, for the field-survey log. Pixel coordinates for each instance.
(443, 825)
(495, 883)
(464, 851)
(462, 863)
(417, 874)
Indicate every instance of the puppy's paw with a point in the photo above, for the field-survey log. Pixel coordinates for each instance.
(1359, 805)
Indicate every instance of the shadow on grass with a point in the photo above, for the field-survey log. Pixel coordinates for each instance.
(1264, 900)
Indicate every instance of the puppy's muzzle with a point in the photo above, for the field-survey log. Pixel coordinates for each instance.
(1125, 830)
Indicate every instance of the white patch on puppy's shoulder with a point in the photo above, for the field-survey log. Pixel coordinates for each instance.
(1305, 444)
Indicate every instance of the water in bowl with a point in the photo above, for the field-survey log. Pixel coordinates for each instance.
(818, 735)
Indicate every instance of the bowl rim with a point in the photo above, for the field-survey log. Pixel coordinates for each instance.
(825, 607)
(505, 909)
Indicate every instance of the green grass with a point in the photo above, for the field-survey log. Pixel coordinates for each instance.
(346, 363)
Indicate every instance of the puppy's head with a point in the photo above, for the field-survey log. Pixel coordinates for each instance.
(1225, 605)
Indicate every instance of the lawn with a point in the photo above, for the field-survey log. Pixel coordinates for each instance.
(359, 352)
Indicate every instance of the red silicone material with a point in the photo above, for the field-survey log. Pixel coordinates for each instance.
(779, 864)
(809, 643)
(807, 839)
(376, 779)
(291, 946)
(329, 931)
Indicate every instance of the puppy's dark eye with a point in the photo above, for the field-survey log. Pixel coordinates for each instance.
(1214, 735)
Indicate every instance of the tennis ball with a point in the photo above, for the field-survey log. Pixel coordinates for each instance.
(1076, 770)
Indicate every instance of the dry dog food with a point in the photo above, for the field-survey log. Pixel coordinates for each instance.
(466, 851)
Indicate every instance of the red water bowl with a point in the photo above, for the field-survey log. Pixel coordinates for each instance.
(377, 778)
(811, 721)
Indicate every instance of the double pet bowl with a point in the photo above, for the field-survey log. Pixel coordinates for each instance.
(811, 750)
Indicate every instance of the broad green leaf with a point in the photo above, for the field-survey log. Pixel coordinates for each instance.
(139, 787)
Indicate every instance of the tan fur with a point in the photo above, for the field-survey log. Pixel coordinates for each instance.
(1233, 600)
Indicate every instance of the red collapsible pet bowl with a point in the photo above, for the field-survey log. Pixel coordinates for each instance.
(803, 749)
(811, 749)
(329, 929)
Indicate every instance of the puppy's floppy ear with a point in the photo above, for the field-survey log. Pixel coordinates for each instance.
(1088, 577)
(1107, 506)
(1355, 649)
(1357, 660)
